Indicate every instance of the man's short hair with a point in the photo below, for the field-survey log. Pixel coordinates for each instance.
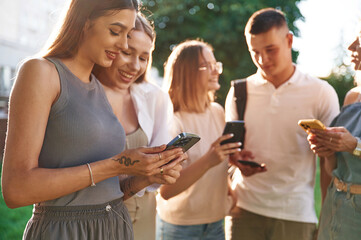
(264, 20)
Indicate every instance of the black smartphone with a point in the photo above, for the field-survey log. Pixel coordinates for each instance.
(252, 163)
(237, 128)
(183, 140)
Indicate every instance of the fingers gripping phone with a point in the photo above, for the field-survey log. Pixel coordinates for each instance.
(308, 124)
(184, 141)
(237, 128)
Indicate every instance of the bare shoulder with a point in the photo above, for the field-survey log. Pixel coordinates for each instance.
(352, 96)
(38, 74)
(218, 107)
(38, 67)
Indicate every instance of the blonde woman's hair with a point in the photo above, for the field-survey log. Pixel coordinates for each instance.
(181, 76)
(144, 25)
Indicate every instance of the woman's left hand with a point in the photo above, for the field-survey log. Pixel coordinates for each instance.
(169, 173)
(334, 139)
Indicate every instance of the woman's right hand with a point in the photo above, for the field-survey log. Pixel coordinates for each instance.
(217, 153)
(335, 139)
(147, 161)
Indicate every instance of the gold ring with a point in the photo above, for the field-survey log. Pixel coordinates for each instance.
(160, 156)
(331, 139)
(161, 170)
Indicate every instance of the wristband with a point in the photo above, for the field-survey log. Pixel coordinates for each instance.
(357, 150)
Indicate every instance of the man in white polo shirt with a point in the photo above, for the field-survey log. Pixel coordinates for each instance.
(277, 204)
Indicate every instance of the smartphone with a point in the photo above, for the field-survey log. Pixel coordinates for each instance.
(184, 141)
(237, 128)
(252, 163)
(307, 124)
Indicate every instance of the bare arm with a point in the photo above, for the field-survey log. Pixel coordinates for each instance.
(330, 164)
(23, 181)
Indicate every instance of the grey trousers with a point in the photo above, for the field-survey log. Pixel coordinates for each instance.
(95, 222)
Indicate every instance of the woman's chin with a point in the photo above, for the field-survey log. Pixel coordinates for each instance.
(213, 86)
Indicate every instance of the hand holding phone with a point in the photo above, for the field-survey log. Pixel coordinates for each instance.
(252, 163)
(237, 129)
(308, 124)
(184, 141)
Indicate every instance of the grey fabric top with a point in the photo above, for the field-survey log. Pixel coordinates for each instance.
(81, 129)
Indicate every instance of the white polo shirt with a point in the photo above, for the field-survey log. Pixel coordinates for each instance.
(286, 190)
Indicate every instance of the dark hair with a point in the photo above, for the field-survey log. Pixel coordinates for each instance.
(264, 20)
(66, 43)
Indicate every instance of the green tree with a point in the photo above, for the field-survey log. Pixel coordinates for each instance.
(219, 22)
(341, 78)
(342, 74)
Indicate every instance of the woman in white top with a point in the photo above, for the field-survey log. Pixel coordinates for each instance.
(194, 207)
(145, 112)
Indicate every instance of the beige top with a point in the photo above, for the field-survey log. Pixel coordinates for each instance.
(206, 200)
(136, 139)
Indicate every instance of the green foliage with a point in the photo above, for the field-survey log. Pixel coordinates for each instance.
(341, 78)
(13, 221)
(317, 190)
(218, 22)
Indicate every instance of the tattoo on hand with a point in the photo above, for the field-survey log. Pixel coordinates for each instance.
(126, 161)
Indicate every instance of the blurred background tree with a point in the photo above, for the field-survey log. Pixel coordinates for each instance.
(218, 22)
(342, 80)
(342, 74)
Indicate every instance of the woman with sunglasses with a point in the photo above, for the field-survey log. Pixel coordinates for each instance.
(195, 206)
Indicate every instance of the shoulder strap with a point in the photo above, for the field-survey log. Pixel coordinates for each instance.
(240, 93)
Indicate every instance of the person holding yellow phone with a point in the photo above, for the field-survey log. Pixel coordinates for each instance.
(340, 145)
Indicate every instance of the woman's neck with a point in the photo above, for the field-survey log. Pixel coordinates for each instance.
(79, 67)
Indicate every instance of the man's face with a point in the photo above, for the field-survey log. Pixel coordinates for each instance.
(271, 51)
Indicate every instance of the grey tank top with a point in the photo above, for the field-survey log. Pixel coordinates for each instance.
(81, 129)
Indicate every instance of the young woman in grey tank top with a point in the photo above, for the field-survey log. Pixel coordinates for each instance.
(65, 147)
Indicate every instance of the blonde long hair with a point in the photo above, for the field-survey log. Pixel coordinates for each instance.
(144, 25)
(181, 74)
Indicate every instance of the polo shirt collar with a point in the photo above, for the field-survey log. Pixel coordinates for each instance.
(293, 79)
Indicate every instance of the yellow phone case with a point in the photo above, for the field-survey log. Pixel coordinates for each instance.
(307, 124)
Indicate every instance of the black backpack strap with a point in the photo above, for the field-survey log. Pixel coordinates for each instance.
(240, 94)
